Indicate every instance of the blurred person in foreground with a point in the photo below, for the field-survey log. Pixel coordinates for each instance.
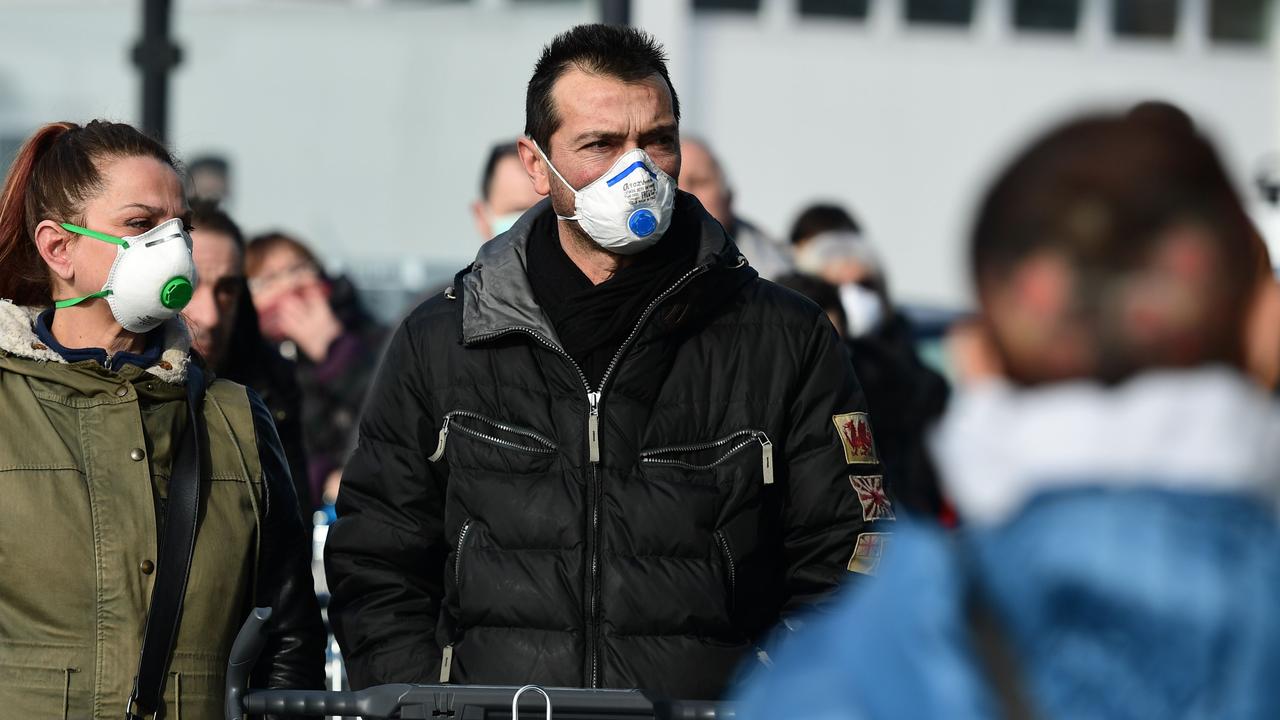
(101, 449)
(1118, 476)
(320, 323)
(702, 176)
(842, 272)
(505, 192)
(224, 330)
(611, 455)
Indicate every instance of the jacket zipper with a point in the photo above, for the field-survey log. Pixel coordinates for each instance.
(594, 399)
(733, 570)
(544, 445)
(743, 439)
(446, 653)
(457, 558)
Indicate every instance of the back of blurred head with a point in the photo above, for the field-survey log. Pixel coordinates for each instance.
(1111, 246)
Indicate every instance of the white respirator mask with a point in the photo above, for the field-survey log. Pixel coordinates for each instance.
(153, 276)
(627, 209)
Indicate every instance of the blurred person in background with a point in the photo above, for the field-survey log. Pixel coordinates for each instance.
(1120, 555)
(224, 330)
(611, 455)
(903, 394)
(702, 176)
(834, 258)
(100, 448)
(505, 192)
(319, 322)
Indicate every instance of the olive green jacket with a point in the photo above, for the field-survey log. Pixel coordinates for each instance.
(85, 455)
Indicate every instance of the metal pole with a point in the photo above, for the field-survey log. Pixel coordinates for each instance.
(155, 55)
(615, 12)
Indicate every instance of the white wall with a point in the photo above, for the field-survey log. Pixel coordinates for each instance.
(363, 126)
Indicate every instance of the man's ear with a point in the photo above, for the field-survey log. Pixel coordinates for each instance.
(54, 245)
(535, 165)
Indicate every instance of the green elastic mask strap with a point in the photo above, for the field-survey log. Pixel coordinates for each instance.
(95, 235)
(76, 301)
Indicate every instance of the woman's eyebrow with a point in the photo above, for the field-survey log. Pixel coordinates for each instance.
(146, 208)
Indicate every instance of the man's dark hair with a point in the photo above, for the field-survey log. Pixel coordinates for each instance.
(818, 290)
(497, 154)
(820, 218)
(206, 215)
(1104, 194)
(624, 53)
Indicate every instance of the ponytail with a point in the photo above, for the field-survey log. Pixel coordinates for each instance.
(54, 174)
(23, 276)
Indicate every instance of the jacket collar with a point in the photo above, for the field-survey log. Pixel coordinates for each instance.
(1205, 430)
(18, 337)
(497, 297)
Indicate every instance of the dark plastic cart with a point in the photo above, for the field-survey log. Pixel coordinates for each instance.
(443, 702)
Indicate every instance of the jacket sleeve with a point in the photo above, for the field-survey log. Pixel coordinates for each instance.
(294, 653)
(830, 535)
(385, 556)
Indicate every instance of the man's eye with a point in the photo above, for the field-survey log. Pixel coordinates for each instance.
(139, 223)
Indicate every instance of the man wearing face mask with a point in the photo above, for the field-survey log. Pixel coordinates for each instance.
(609, 455)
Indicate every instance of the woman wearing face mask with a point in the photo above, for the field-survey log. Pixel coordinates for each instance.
(146, 504)
(320, 322)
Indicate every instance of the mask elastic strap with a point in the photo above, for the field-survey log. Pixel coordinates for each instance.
(547, 160)
(96, 236)
(76, 301)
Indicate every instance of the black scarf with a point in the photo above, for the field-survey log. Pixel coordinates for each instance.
(593, 321)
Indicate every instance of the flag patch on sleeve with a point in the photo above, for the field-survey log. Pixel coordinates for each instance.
(868, 552)
(875, 501)
(854, 430)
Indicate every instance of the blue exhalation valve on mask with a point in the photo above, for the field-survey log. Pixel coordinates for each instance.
(642, 222)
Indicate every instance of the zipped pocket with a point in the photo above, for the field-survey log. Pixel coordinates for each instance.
(679, 455)
(488, 430)
(727, 552)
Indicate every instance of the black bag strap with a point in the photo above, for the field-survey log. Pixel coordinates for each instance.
(173, 565)
(996, 655)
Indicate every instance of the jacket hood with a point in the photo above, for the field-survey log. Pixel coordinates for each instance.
(18, 338)
(496, 294)
(1204, 430)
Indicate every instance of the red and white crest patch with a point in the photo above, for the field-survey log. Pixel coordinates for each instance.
(854, 430)
(875, 501)
(868, 552)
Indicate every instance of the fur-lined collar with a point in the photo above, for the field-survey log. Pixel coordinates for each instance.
(1207, 430)
(18, 338)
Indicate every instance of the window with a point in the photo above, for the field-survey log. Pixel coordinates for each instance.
(1145, 18)
(834, 8)
(746, 5)
(1046, 15)
(943, 12)
(1238, 20)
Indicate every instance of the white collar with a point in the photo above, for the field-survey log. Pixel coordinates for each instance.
(1207, 430)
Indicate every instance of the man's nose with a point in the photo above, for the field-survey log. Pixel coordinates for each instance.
(202, 311)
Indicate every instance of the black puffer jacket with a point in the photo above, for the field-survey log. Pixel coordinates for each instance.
(646, 533)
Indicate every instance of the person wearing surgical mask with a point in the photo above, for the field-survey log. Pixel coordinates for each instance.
(505, 192)
(610, 455)
(111, 425)
(841, 271)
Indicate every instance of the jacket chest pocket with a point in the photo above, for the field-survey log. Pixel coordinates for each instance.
(709, 461)
(472, 440)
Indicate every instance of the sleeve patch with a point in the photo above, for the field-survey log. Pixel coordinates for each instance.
(854, 430)
(875, 501)
(868, 552)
